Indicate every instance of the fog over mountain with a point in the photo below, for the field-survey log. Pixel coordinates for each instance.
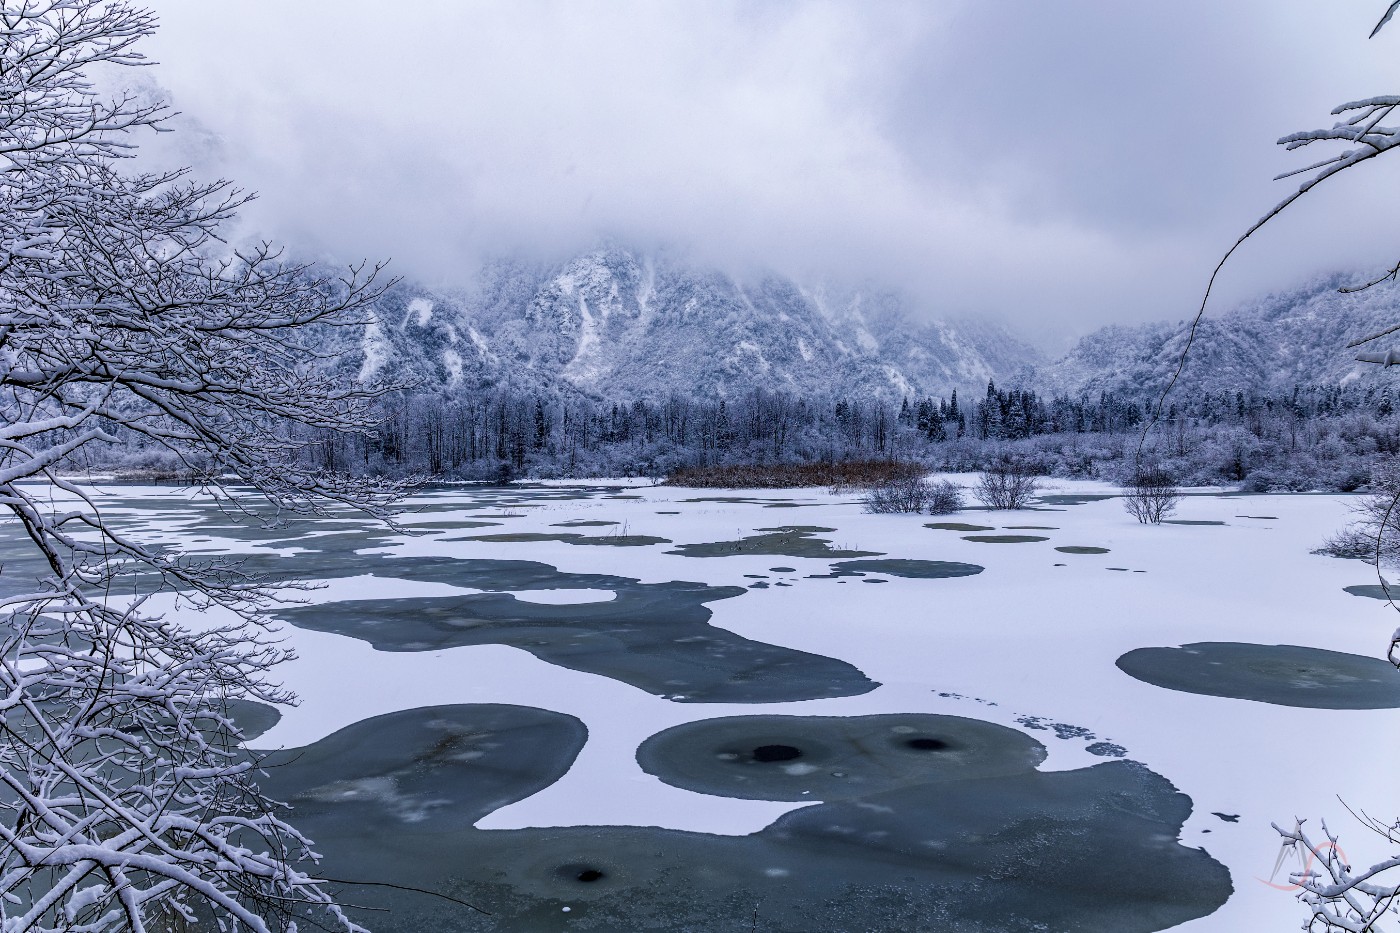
(619, 324)
(1059, 166)
(1269, 345)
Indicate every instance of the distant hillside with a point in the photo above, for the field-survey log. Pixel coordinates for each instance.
(619, 325)
(1270, 345)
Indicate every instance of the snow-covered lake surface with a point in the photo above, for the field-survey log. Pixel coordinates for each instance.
(637, 609)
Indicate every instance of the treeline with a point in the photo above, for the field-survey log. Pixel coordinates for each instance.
(1312, 437)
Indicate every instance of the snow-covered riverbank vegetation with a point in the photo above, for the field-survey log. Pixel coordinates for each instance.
(1326, 438)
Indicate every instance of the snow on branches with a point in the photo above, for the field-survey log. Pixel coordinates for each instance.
(1338, 896)
(126, 799)
(1341, 897)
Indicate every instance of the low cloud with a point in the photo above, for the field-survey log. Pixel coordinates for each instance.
(1057, 165)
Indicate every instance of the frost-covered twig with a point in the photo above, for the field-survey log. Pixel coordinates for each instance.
(1362, 129)
(1340, 897)
(127, 801)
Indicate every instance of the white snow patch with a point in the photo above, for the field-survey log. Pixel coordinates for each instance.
(453, 361)
(422, 311)
(896, 378)
(754, 350)
(586, 365)
(479, 342)
(375, 348)
(867, 341)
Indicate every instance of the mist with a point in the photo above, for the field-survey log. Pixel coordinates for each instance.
(1058, 166)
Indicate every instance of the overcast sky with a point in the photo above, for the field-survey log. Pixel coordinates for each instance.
(1059, 164)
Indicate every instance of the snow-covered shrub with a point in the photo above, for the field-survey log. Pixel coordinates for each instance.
(1375, 535)
(1008, 483)
(944, 498)
(914, 494)
(898, 495)
(1151, 495)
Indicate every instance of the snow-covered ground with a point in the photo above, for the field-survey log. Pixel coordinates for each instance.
(1029, 642)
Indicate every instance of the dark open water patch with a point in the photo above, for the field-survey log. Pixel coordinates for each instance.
(654, 636)
(1081, 549)
(832, 757)
(441, 767)
(958, 526)
(1284, 675)
(393, 799)
(1004, 539)
(21, 565)
(566, 538)
(912, 569)
(251, 717)
(448, 525)
(582, 523)
(1188, 521)
(1073, 499)
(1372, 591)
(785, 541)
(730, 500)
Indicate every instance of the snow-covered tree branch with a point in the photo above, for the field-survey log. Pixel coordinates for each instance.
(1338, 896)
(126, 801)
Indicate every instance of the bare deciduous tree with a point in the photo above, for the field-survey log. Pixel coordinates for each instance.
(126, 802)
(1006, 484)
(1151, 495)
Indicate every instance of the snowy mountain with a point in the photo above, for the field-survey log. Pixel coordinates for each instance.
(1297, 337)
(615, 324)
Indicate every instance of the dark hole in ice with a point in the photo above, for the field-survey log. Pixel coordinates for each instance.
(895, 852)
(927, 744)
(776, 753)
(805, 758)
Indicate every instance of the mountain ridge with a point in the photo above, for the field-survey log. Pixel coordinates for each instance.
(616, 324)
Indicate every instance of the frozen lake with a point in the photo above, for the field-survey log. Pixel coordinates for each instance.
(618, 706)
